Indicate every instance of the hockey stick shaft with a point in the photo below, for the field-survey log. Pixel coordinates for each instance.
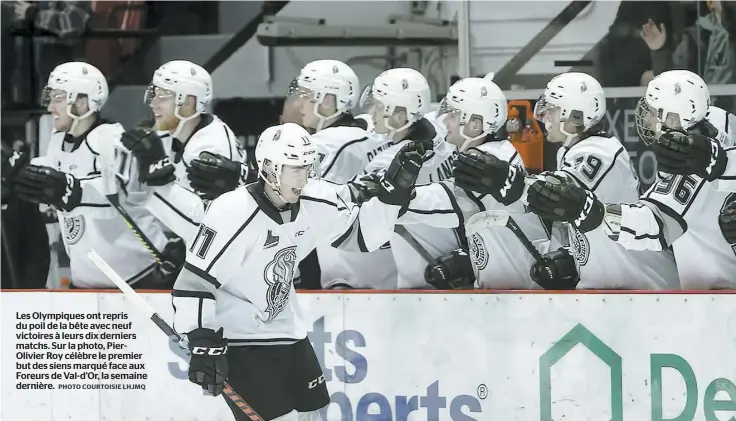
(146, 309)
(139, 234)
(511, 224)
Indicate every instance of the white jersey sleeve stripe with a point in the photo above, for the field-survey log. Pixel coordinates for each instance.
(237, 233)
(339, 151)
(172, 207)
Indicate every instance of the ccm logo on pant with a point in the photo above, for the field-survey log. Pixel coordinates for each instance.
(200, 350)
(315, 382)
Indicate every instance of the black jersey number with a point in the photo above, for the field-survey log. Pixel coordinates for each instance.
(589, 166)
(681, 187)
(203, 241)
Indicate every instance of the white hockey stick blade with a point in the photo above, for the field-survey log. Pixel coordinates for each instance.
(482, 220)
(123, 286)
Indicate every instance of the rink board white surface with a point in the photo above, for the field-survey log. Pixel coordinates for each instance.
(445, 354)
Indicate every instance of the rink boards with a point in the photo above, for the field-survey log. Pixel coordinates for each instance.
(395, 356)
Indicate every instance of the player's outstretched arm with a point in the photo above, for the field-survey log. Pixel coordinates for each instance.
(435, 205)
(177, 207)
(369, 226)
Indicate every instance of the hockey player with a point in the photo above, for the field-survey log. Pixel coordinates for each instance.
(235, 300)
(678, 211)
(326, 92)
(401, 97)
(69, 178)
(200, 143)
(474, 110)
(572, 109)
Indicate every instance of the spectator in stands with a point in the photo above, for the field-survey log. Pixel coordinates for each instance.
(25, 242)
(623, 58)
(708, 47)
(60, 26)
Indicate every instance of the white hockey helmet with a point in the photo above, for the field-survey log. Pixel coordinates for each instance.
(475, 99)
(402, 88)
(327, 77)
(181, 79)
(580, 99)
(676, 99)
(285, 144)
(77, 78)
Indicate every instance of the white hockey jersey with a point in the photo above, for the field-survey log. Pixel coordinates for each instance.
(436, 241)
(344, 152)
(725, 122)
(240, 267)
(499, 259)
(178, 206)
(95, 224)
(602, 165)
(682, 212)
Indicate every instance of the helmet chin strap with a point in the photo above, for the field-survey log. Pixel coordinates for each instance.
(322, 119)
(569, 137)
(76, 118)
(182, 121)
(469, 140)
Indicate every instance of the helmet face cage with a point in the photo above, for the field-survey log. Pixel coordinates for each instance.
(154, 91)
(646, 122)
(366, 101)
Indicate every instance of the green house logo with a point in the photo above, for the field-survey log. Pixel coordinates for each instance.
(580, 335)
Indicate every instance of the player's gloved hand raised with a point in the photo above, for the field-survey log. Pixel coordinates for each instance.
(154, 166)
(696, 152)
(484, 173)
(727, 222)
(366, 187)
(13, 162)
(557, 271)
(396, 186)
(212, 175)
(208, 365)
(46, 185)
(555, 198)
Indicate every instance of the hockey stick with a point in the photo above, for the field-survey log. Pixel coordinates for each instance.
(501, 218)
(110, 190)
(145, 309)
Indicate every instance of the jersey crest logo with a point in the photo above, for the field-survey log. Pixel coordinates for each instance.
(73, 229)
(279, 274)
(580, 247)
(271, 240)
(478, 252)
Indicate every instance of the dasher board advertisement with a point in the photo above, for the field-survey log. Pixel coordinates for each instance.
(88, 356)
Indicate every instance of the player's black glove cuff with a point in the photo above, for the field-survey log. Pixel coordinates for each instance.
(690, 153)
(727, 222)
(555, 199)
(212, 175)
(396, 186)
(452, 271)
(483, 173)
(154, 166)
(46, 185)
(557, 271)
(208, 365)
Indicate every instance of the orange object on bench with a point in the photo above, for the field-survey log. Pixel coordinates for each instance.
(529, 139)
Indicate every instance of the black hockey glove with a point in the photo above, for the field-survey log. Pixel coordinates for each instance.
(396, 186)
(727, 222)
(154, 166)
(46, 185)
(208, 365)
(423, 134)
(557, 271)
(365, 188)
(691, 153)
(212, 175)
(452, 271)
(557, 199)
(483, 173)
(13, 163)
